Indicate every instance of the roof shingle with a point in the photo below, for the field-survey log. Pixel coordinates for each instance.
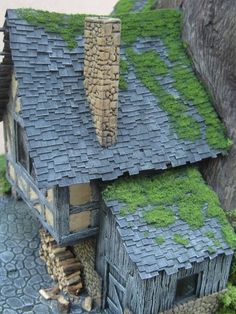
(58, 121)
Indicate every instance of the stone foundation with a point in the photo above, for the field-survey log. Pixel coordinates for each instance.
(204, 305)
(85, 251)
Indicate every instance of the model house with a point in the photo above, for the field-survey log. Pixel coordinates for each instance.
(97, 111)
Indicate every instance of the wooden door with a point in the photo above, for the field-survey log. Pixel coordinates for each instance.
(115, 292)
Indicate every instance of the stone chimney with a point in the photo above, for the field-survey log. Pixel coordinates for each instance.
(101, 72)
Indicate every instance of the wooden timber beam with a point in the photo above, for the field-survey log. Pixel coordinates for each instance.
(5, 54)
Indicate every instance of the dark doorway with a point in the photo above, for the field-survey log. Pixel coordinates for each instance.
(186, 288)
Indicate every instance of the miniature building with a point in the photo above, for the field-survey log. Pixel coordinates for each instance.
(70, 132)
(153, 268)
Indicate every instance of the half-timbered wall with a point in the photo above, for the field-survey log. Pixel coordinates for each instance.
(84, 206)
(41, 201)
(68, 213)
(158, 293)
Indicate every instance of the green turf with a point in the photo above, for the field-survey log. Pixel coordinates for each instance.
(183, 188)
(5, 187)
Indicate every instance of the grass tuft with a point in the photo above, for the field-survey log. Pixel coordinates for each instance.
(210, 234)
(178, 238)
(124, 67)
(211, 249)
(160, 240)
(5, 187)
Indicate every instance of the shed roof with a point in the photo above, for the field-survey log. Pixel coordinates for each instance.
(56, 116)
(171, 242)
(126, 6)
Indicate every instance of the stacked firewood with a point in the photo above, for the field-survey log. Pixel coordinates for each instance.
(61, 263)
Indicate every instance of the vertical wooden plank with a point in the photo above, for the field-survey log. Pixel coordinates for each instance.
(225, 268)
(62, 211)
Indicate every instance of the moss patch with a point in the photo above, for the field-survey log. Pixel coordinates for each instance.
(160, 240)
(183, 188)
(178, 238)
(167, 25)
(124, 6)
(147, 67)
(211, 249)
(210, 234)
(228, 301)
(216, 243)
(68, 26)
(124, 67)
(5, 187)
(159, 217)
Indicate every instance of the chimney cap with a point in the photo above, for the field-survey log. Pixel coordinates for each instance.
(102, 19)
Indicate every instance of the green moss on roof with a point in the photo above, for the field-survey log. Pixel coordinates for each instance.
(178, 238)
(182, 188)
(123, 71)
(124, 6)
(167, 25)
(159, 216)
(68, 26)
(149, 67)
(160, 240)
(211, 249)
(210, 234)
(217, 243)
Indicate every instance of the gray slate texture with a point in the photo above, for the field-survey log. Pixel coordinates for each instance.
(151, 258)
(58, 123)
(138, 6)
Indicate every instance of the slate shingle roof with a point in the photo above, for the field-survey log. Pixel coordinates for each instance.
(150, 258)
(61, 136)
(138, 6)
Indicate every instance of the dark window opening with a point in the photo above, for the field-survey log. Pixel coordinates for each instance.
(22, 151)
(22, 154)
(186, 288)
(31, 169)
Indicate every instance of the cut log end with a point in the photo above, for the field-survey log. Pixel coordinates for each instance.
(62, 265)
(50, 293)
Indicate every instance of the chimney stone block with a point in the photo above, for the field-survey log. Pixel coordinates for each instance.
(101, 72)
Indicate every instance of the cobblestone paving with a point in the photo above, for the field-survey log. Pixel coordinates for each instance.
(22, 272)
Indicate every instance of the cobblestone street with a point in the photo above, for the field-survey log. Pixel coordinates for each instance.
(22, 272)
